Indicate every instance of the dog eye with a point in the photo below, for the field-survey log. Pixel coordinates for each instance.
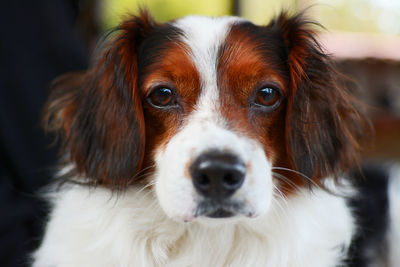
(267, 97)
(162, 97)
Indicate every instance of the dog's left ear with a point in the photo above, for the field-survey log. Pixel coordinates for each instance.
(324, 123)
(98, 114)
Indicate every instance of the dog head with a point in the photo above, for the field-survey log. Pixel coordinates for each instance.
(216, 115)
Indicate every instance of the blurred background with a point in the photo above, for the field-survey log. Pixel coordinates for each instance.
(42, 39)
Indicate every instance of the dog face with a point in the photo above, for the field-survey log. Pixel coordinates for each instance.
(220, 115)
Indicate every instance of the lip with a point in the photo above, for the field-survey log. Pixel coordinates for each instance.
(220, 213)
(216, 210)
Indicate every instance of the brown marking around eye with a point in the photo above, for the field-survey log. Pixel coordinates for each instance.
(244, 66)
(175, 68)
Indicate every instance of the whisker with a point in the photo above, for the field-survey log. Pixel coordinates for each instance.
(139, 173)
(145, 195)
(286, 180)
(280, 194)
(147, 186)
(297, 172)
(144, 175)
(281, 203)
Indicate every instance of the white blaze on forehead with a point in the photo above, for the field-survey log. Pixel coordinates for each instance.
(205, 130)
(204, 37)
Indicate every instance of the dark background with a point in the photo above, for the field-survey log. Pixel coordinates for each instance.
(39, 40)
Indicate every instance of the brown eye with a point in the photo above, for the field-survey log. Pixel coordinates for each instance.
(267, 97)
(162, 98)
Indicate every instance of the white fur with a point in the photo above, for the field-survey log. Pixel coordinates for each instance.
(203, 36)
(394, 219)
(95, 228)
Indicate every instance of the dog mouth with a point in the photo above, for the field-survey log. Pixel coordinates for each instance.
(218, 210)
(220, 213)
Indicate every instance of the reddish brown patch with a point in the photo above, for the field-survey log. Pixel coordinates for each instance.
(243, 67)
(176, 70)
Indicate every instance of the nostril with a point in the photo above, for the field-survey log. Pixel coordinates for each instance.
(231, 181)
(203, 181)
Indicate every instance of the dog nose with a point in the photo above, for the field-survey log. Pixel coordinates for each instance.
(217, 175)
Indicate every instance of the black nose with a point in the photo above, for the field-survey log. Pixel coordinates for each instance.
(217, 175)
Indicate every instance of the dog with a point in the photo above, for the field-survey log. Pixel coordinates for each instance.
(211, 141)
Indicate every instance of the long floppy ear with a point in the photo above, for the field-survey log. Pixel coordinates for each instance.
(98, 114)
(323, 121)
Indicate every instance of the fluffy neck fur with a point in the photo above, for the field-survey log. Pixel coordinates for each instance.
(93, 227)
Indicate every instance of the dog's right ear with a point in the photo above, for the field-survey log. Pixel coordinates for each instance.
(98, 114)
